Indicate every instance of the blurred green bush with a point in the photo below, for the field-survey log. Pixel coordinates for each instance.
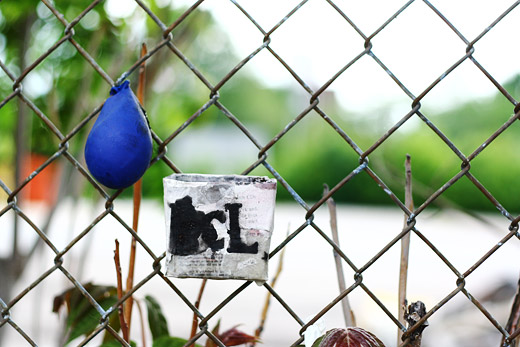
(311, 154)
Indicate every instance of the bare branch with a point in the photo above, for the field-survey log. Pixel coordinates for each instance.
(513, 323)
(197, 305)
(405, 249)
(263, 316)
(124, 326)
(348, 314)
(137, 203)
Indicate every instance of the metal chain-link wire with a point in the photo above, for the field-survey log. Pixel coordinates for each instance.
(166, 43)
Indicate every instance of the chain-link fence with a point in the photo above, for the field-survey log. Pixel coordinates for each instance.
(165, 47)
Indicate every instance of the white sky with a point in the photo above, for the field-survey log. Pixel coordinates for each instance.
(417, 47)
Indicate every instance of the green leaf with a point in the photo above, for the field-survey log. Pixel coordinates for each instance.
(82, 317)
(86, 323)
(170, 341)
(318, 341)
(156, 319)
(115, 323)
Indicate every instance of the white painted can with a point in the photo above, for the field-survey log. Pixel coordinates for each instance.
(218, 226)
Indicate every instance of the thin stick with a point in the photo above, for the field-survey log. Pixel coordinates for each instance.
(197, 305)
(414, 313)
(405, 248)
(263, 317)
(348, 314)
(124, 327)
(513, 322)
(137, 204)
(141, 319)
(142, 76)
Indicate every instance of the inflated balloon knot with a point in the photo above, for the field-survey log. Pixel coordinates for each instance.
(117, 88)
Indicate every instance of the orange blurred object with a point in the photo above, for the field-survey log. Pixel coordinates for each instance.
(44, 186)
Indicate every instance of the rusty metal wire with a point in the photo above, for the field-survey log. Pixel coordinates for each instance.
(165, 43)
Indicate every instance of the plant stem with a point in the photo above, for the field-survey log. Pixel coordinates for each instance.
(263, 317)
(142, 76)
(137, 204)
(416, 311)
(124, 327)
(197, 305)
(513, 322)
(348, 314)
(405, 248)
(141, 319)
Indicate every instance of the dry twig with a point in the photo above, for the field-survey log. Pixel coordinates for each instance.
(141, 320)
(197, 305)
(263, 317)
(405, 249)
(416, 311)
(124, 327)
(137, 204)
(348, 314)
(513, 323)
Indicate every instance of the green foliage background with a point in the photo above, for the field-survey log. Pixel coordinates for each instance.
(309, 155)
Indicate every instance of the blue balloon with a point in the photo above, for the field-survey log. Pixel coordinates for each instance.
(119, 146)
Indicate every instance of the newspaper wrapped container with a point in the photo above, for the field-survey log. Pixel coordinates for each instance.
(218, 226)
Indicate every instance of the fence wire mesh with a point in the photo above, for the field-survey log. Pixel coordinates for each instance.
(165, 47)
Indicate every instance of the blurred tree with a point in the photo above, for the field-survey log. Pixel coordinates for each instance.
(66, 88)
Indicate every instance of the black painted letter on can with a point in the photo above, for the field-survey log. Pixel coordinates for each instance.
(187, 225)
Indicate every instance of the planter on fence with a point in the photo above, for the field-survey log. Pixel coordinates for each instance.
(218, 226)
